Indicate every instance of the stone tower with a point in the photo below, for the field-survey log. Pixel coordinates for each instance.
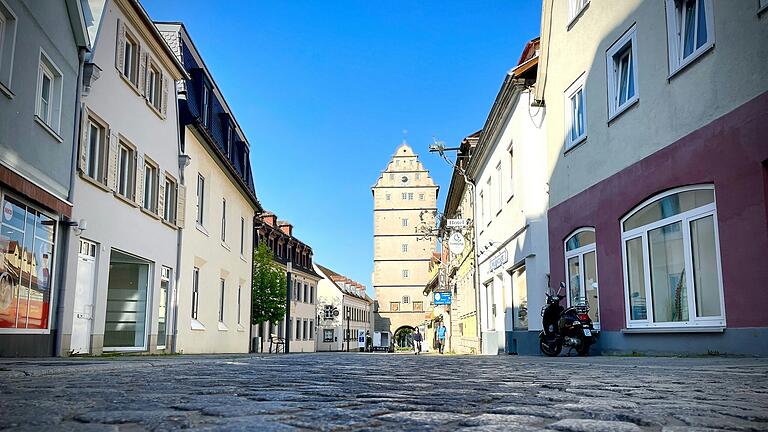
(404, 197)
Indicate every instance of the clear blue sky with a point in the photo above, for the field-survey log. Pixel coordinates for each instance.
(323, 90)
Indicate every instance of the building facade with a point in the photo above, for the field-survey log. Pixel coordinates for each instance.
(344, 312)
(658, 170)
(41, 50)
(507, 167)
(214, 294)
(286, 248)
(121, 268)
(460, 266)
(404, 200)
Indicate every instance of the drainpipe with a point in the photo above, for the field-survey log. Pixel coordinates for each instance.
(183, 163)
(66, 233)
(475, 264)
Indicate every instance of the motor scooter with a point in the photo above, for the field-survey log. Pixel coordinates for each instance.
(571, 327)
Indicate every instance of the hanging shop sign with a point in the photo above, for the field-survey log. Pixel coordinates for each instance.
(443, 298)
(442, 281)
(456, 243)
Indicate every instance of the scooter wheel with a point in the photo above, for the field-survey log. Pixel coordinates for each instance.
(550, 349)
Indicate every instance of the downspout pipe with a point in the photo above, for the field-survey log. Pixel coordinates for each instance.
(66, 235)
(183, 163)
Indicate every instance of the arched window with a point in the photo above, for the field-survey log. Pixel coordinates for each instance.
(581, 271)
(672, 261)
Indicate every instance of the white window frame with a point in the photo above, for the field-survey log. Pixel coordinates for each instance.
(101, 153)
(7, 46)
(580, 252)
(404, 222)
(169, 206)
(206, 105)
(675, 35)
(629, 38)
(200, 203)
(406, 274)
(500, 185)
(126, 180)
(51, 118)
(570, 114)
(224, 220)
(222, 294)
(575, 9)
(404, 247)
(511, 154)
(195, 309)
(132, 63)
(642, 232)
(242, 237)
(151, 185)
(762, 6)
(406, 299)
(154, 85)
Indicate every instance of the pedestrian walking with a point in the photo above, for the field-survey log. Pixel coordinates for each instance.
(417, 342)
(441, 338)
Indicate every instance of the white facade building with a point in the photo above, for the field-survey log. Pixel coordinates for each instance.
(343, 312)
(120, 271)
(510, 216)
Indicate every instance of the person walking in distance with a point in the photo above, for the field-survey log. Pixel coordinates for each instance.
(417, 342)
(441, 338)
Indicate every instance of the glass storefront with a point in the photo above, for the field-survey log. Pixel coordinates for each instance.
(126, 318)
(27, 239)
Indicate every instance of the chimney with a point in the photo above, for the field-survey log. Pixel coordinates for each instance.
(269, 218)
(285, 227)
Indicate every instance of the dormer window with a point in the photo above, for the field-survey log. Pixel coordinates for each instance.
(206, 105)
(229, 141)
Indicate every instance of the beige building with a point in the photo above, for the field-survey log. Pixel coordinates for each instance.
(343, 312)
(287, 249)
(404, 199)
(214, 294)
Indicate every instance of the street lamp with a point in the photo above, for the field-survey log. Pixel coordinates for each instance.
(289, 269)
(349, 335)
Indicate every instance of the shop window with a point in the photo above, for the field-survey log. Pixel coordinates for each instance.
(163, 311)
(672, 261)
(519, 299)
(581, 272)
(327, 335)
(26, 275)
(126, 318)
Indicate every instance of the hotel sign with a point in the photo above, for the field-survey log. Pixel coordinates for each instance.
(456, 223)
(499, 259)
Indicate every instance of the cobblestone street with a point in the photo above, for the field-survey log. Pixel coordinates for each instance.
(384, 392)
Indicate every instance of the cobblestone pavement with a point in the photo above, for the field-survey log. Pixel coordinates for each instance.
(384, 392)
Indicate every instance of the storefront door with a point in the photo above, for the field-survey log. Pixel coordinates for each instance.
(126, 324)
(82, 322)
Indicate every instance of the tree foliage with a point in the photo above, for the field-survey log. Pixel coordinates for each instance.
(269, 287)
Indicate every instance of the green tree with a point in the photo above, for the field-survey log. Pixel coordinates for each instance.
(268, 296)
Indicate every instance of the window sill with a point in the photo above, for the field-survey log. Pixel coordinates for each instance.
(691, 59)
(572, 145)
(223, 327)
(150, 213)
(243, 259)
(225, 246)
(632, 102)
(48, 129)
(202, 229)
(170, 224)
(689, 329)
(240, 328)
(95, 182)
(197, 325)
(576, 17)
(762, 10)
(154, 109)
(125, 199)
(6, 91)
(131, 84)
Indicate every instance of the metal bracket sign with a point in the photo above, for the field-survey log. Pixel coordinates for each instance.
(443, 298)
(442, 281)
(456, 223)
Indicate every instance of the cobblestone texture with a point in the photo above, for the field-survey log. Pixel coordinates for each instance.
(340, 391)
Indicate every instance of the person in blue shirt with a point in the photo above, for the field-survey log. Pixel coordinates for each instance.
(441, 337)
